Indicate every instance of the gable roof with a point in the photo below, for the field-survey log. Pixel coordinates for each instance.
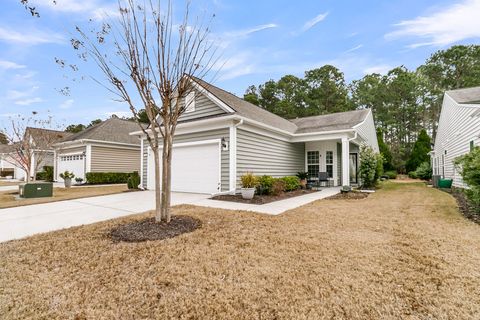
(6, 148)
(111, 130)
(247, 109)
(331, 122)
(465, 96)
(328, 122)
(45, 137)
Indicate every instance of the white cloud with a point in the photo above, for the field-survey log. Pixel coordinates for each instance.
(4, 64)
(443, 27)
(246, 32)
(30, 37)
(380, 69)
(27, 102)
(354, 48)
(67, 104)
(91, 8)
(311, 23)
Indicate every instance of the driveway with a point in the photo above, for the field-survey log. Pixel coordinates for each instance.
(25, 221)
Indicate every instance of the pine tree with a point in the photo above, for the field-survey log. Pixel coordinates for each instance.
(420, 152)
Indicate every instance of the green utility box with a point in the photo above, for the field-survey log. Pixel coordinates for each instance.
(36, 190)
(445, 183)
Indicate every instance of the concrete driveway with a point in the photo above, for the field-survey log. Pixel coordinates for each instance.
(25, 221)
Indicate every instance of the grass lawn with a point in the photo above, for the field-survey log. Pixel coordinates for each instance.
(4, 183)
(404, 252)
(8, 198)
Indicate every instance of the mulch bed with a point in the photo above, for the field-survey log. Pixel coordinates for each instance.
(464, 205)
(149, 230)
(262, 199)
(349, 196)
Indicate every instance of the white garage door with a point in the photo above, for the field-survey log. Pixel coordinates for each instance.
(73, 163)
(195, 168)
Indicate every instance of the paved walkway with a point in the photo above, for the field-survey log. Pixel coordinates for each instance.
(273, 208)
(25, 221)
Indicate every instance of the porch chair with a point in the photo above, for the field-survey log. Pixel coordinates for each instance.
(323, 177)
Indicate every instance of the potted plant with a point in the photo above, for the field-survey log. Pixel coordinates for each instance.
(78, 180)
(67, 178)
(249, 182)
(303, 175)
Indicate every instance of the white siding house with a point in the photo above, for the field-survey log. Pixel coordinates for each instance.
(458, 132)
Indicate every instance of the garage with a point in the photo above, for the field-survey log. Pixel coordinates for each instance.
(195, 167)
(73, 163)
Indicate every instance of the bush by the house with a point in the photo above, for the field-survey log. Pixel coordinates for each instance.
(278, 186)
(291, 183)
(413, 175)
(369, 168)
(133, 180)
(249, 180)
(424, 171)
(107, 177)
(390, 174)
(265, 184)
(46, 174)
(469, 167)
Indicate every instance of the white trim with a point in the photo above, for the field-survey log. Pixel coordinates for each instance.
(345, 162)
(233, 157)
(195, 143)
(88, 158)
(141, 162)
(364, 120)
(212, 97)
(81, 142)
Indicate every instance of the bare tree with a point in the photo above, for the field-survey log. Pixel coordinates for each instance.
(152, 67)
(31, 141)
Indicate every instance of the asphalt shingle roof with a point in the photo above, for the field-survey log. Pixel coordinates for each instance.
(112, 130)
(328, 122)
(467, 95)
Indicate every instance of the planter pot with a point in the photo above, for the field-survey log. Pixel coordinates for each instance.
(68, 182)
(303, 183)
(248, 193)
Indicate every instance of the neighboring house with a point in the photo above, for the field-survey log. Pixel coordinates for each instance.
(221, 137)
(37, 141)
(104, 147)
(458, 132)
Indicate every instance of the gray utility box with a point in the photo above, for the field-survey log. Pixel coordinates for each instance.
(36, 190)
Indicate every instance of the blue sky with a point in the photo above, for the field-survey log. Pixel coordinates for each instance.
(260, 40)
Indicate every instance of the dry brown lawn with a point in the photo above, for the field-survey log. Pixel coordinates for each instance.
(404, 252)
(4, 183)
(8, 198)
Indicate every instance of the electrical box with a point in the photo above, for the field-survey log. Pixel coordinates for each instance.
(36, 190)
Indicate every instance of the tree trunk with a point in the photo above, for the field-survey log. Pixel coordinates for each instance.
(166, 175)
(158, 212)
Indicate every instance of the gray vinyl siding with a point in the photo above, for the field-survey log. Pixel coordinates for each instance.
(204, 107)
(199, 136)
(106, 159)
(263, 155)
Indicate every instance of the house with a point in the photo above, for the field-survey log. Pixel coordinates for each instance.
(458, 132)
(36, 149)
(220, 137)
(104, 147)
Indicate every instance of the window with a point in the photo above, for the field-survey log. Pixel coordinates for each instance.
(313, 163)
(329, 163)
(190, 102)
(443, 166)
(472, 145)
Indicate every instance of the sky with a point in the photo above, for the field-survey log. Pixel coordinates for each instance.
(258, 41)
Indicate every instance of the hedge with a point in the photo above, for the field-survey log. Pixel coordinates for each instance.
(107, 177)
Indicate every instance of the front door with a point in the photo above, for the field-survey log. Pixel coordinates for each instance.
(353, 163)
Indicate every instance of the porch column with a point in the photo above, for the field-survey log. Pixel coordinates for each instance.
(345, 162)
(88, 160)
(233, 158)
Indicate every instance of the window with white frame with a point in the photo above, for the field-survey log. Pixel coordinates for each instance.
(190, 102)
(329, 163)
(313, 163)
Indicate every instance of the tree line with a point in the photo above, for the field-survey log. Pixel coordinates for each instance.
(404, 102)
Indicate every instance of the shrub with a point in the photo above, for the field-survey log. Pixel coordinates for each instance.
(291, 183)
(302, 175)
(133, 180)
(469, 167)
(265, 184)
(107, 177)
(390, 174)
(368, 170)
(278, 186)
(413, 175)
(249, 180)
(424, 171)
(78, 180)
(46, 174)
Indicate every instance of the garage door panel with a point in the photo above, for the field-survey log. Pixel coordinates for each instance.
(195, 168)
(71, 163)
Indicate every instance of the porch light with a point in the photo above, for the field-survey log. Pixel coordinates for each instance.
(224, 144)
